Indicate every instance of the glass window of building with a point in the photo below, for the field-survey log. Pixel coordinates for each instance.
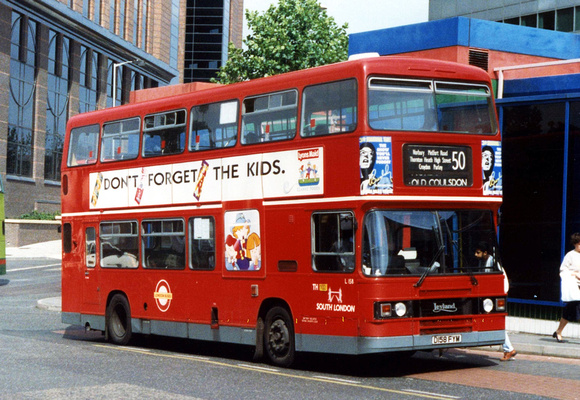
(112, 15)
(546, 20)
(21, 100)
(88, 80)
(207, 22)
(56, 103)
(529, 20)
(533, 136)
(565, 20)
(97, 11)
(144, 8)
(135, 21)
(121, 12)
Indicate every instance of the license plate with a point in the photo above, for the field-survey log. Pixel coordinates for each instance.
(446, 339)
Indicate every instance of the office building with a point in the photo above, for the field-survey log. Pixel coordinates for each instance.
(60, 58)
(555, 15)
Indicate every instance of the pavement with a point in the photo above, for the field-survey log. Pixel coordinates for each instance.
(528, 336)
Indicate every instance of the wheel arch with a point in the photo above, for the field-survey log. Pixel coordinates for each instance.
(110, 296)
(266, 305)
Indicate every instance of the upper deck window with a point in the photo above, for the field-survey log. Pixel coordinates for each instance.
(214, 126)
(269, 117)
(84, 142)
(164, 133)
(432, 106)
(120, 140)
(329, 108)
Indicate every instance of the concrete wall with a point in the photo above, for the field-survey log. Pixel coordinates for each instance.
(22, 232)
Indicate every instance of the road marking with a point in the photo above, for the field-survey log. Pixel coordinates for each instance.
(336, 379)
(28, 268)
(256, 367)
(276, 372)
(433, 394)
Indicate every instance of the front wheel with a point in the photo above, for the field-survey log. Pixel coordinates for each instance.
(279, 337)
(119, 320)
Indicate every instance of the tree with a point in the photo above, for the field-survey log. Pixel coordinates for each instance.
(294, 35)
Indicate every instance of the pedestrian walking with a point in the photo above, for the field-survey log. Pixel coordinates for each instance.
(570, 280)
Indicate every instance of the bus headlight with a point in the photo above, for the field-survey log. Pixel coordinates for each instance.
(487, 305)
(400, 309)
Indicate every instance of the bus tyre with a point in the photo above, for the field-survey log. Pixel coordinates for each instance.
(279, 337)
(119, 320)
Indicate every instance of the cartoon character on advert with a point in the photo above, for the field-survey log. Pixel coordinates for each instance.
(254, 251)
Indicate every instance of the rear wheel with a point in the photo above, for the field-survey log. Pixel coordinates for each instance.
(119, 320)
(279, 337)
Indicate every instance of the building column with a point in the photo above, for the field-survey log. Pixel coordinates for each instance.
(74, 79)
(40, 104)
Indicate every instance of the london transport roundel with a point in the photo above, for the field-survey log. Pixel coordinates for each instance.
(163, 295)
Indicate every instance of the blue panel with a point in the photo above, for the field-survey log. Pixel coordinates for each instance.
(524, 40)
(404, 39)
(542, 86)
(461, 31)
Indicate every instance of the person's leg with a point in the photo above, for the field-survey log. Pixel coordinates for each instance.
(508, 350)
(563, 323)
(507, 345)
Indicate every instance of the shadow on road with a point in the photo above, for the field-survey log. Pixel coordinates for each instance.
(377, 365)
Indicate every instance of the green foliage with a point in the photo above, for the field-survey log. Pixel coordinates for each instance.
(294, 35)
(39, 215)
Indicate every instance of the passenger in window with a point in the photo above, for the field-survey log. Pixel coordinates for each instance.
(345, 244)
(482, 252)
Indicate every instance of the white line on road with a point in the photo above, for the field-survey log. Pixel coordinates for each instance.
(431, 394)
(335, 379)
(35, 267)
(260, 368)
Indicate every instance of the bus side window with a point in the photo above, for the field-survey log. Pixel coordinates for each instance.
(164, 134)
(119, 244)
(202, 243)
(163, 243)
(66, 237)
(83, 145)
(329, 108)
(333, 241)
(269, 117)
(120, 140)
(214, 126)
(90, 247)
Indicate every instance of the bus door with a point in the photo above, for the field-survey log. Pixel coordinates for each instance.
(91, 289)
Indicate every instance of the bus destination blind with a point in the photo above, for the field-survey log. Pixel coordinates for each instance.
(436, 165)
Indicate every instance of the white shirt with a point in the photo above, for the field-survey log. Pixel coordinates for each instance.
(571, 264)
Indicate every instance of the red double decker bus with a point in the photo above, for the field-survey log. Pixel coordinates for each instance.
(336, 209)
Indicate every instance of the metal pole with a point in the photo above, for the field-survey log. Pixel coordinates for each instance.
(115, 66)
